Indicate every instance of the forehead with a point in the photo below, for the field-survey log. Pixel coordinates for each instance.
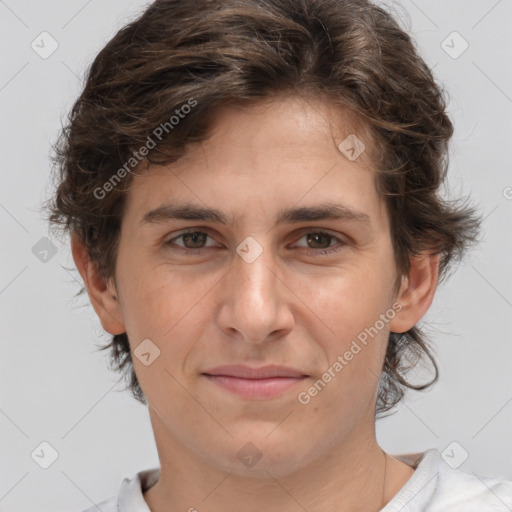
(275, 153)
(291, 126)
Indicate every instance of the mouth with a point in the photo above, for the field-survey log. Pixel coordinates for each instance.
(255, 383)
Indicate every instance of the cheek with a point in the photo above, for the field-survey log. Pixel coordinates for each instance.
(154, 296)
(169, 307)
(349, 305)
(344, 302)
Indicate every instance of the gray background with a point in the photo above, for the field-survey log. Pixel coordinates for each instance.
(56, 388)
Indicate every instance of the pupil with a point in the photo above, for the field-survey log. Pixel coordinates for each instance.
(194, 237)
(314, 238)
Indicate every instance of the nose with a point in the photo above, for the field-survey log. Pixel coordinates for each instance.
(256, 302)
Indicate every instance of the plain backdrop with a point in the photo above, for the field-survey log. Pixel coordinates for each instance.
(56, 388)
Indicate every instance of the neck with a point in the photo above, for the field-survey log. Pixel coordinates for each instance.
(356, 476)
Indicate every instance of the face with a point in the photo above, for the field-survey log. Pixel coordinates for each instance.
(300, 292)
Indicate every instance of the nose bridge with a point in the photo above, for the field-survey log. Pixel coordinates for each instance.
(256, 282)
(254, 303)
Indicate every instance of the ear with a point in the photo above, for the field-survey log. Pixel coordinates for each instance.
(103, 294)
(417, 292)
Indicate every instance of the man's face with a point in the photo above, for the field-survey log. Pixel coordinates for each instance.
(254, 292)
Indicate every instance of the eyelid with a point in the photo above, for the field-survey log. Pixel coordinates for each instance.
(328, 232)
(186, 231)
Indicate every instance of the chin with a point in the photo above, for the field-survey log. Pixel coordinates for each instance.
(260, 456)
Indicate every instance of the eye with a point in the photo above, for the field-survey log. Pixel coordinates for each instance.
(193, 241)
(323, 239)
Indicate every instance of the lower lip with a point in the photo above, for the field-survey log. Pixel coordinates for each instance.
(255, 388)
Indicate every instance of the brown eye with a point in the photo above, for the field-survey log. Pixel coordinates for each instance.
(319, 238)
(192, 241)
(196, 240)
(319, 243)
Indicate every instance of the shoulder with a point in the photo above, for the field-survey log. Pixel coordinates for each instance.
(463, 492)
(130, 497)
(437, 487)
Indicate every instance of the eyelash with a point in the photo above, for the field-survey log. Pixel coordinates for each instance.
(310, 252)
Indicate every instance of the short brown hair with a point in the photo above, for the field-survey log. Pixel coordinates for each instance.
(220, 52)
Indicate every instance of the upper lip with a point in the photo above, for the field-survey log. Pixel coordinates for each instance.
(246, 372)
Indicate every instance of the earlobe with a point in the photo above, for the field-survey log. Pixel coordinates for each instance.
(417, 292)
(102, 293)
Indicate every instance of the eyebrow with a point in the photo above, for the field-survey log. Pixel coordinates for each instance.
(188, 211)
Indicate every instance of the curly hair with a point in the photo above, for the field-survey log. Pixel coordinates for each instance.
(211, 53)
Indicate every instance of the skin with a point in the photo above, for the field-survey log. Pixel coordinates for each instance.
(286, 307)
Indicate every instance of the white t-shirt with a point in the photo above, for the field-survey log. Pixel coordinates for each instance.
(433, 487)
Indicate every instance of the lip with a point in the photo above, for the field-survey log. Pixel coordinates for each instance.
(263, 372)
(256, 383)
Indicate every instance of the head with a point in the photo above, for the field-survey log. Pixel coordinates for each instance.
(253, 108)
